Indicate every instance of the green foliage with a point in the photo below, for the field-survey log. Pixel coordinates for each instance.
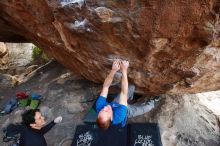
(36, 53)
(39, 56)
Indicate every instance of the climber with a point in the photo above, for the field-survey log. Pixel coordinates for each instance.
(118, 110)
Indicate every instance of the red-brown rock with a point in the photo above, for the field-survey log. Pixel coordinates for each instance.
(172, 46)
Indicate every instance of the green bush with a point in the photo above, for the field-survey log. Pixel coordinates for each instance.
(36, 53)
(38, 56)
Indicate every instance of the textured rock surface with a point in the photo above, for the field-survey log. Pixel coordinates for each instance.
(15, 56)
(173, 46)
(7, 81)
(3, 54)
(20, 54)
(14, 59)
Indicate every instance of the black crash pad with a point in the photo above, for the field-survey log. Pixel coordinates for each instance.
(146, 134)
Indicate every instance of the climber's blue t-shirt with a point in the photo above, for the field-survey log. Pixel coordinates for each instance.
(119, 110)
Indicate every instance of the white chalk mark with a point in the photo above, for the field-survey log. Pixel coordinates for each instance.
(80, 24)
(68, 2)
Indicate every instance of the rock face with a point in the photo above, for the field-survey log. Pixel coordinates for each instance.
(20, 54)
(14, 59)
(3, 54)
(172, 46)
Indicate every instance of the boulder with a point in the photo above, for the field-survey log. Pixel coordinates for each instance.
(172, 46)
